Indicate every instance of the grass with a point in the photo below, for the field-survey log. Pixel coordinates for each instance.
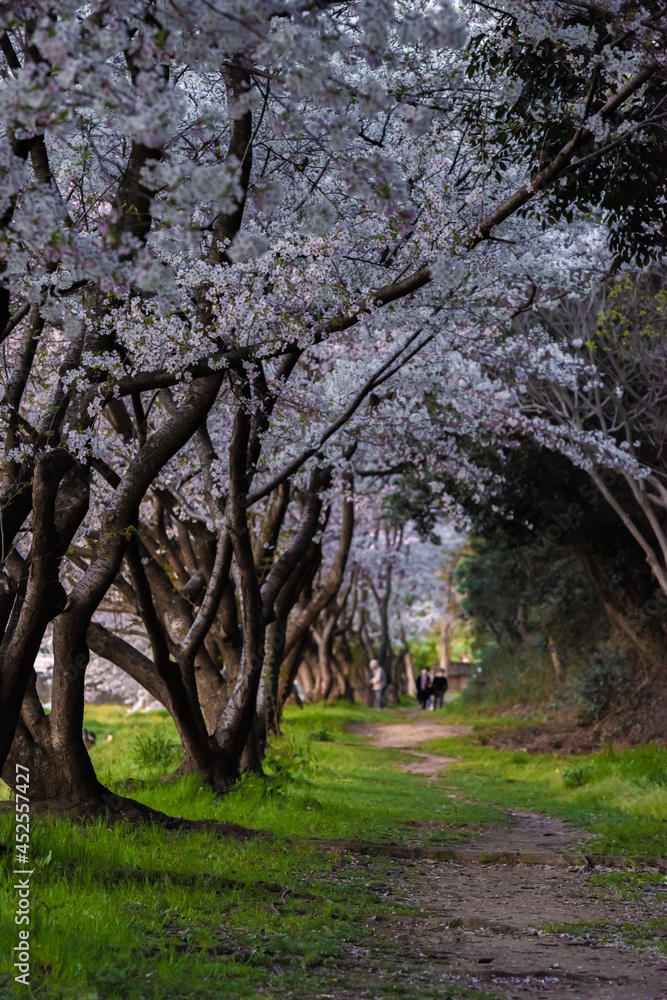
(619, 797)
(134, 913)
(629, 887)
(338, 788)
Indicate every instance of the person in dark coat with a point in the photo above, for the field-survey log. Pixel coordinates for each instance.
(424, 689)
(439, 687)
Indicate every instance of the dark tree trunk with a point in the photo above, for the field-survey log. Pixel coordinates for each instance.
(53, 745)
(233, 728)
(343, 659)
(59, 500)
(293, 664)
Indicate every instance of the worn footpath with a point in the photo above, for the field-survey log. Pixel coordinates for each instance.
(492, 927)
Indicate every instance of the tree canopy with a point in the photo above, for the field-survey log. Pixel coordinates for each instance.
(258, 260)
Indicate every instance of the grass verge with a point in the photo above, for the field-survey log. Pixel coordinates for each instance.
(134, 913)
(619, 797)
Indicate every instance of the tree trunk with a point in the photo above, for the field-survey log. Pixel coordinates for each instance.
(556, 660)
(36, 596)
(323, 639)
(57, 775)
(444, 645)
(410, 683)
(293, 664)
(305, 675)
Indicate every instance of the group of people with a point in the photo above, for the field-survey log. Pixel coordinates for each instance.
(431, 687)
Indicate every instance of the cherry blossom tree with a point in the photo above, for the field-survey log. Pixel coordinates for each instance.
(608, 417)
(245, 246)
(392, 592)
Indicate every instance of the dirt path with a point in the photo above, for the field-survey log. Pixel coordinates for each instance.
(500, 929)
(405, 737)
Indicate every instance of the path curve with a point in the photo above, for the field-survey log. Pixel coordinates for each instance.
(410, 735)
(404, 736)
(508, 928)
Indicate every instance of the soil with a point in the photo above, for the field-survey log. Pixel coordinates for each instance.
(405, 737)
(498, 928)
(555, 737)
(562, 735)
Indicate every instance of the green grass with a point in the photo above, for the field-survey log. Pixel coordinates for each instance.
(338, 788)
(135, 913)
(132, 912)
(618, 797)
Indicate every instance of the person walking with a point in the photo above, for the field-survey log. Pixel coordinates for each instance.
(423, 683)
(378, 681)
(439, 687)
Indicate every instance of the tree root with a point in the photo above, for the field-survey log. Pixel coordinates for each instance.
(116, 808)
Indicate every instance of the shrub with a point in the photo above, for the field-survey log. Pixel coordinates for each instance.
(600, 684)
(502, 679)
(577, 777)
(285, 764)
(156, 751)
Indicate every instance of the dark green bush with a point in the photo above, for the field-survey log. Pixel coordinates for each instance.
(287, 763)
(602, 682)
(577, 777)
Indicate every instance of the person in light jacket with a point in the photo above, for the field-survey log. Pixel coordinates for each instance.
(378, 681)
